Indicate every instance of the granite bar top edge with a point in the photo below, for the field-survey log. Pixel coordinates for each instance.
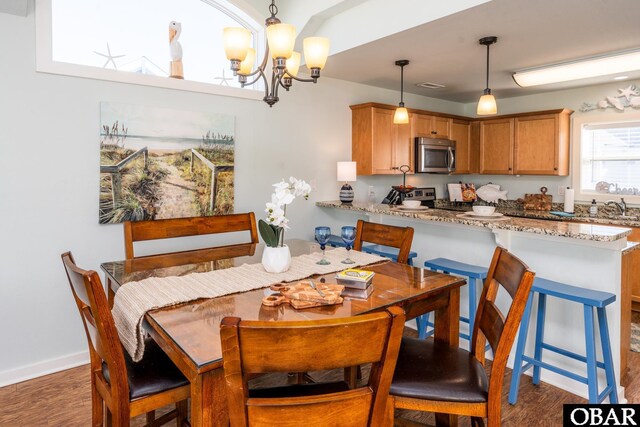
(593, 232)
(631, 246)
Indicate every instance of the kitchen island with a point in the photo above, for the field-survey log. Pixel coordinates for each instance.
(585, 255)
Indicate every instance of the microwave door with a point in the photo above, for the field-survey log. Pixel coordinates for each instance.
(434, 159)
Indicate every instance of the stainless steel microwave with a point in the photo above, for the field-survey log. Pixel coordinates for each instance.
(435, 155)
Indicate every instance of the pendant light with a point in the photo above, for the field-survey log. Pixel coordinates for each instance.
(401, 117)
(487, 104)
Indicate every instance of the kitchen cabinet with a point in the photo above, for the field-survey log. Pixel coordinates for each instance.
(378, 145)
(526, 144)
(496, 146)
(432, 126)
(461, 134)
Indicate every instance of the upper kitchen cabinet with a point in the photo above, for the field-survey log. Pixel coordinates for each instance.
(526, 144)
(432, 126)
(542, 144)
(466, 154)
(496, 147)
(378, 145)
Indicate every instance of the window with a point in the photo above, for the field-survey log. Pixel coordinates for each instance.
(609, 159)
(128, 41)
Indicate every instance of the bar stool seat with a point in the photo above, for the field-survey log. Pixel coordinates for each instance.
(473, 273)
(336, 241)
(590, 299)
(387, 252)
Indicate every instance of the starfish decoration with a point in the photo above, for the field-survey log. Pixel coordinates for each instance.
(110, 57)
(223, 80)
(628, 92)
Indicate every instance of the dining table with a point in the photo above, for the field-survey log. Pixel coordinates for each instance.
(189, 333)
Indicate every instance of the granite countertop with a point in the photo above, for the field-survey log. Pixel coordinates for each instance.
(595, 232)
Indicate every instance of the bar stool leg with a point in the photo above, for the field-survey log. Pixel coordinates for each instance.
(592, 372)
(537, 355)
(522, 341)
(422, 322)
(606, 353)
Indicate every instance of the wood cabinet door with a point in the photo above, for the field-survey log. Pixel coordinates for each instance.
(461, 134)
(496, 147)
(422, 125)
(442, 126)
(383, 142)
(536, 145)
(403, 150)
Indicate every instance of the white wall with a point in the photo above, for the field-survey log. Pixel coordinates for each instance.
(49, 162)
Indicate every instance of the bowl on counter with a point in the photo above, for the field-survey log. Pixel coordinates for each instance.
(411, 204)
(484, 210)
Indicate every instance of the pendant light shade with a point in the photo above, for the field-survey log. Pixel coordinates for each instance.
(316, 51)
(487, 103)
(401, 117)
(237, 42)
(281, 38)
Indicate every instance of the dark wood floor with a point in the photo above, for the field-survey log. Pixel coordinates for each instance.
(63, 399)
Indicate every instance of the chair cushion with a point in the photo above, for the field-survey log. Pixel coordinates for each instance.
(155, 373)
(299, 390)
(434, 371)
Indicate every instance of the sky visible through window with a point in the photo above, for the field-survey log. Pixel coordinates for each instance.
(138, 30)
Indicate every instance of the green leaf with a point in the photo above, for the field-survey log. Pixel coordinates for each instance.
(268, 233)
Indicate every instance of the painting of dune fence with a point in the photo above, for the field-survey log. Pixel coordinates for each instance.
(158, 163)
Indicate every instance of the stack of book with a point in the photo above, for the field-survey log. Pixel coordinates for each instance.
(357, 283)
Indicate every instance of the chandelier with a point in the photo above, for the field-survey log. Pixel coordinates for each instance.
(281, 39)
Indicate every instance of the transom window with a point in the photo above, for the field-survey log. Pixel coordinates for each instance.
(107, 39)
(610, 158)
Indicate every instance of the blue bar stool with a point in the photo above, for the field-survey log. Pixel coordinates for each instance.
(590, 299)
(474, 273)
(336, 242)
(387, 252)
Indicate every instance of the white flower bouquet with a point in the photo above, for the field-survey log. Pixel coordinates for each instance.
(272, 230)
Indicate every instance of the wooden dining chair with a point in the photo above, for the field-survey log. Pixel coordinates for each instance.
(387, 235)
(136, 231)
(126, 388)
(431, 376)
(258, 347)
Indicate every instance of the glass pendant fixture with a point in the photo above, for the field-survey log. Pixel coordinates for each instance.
(487, 104)
(401, 117)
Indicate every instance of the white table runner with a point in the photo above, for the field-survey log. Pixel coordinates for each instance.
(134, 299)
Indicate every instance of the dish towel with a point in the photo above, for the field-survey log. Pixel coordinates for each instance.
(134, 299)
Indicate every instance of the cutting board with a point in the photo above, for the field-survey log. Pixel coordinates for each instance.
(538, 202)
(302, 295)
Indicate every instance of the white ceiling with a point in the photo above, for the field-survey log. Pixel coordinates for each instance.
(530, 33)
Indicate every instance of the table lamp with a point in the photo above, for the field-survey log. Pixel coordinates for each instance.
(346, 172)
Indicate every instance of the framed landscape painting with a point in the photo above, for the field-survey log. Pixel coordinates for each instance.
(158, 163)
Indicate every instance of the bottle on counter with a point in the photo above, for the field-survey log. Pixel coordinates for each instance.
(593, 209)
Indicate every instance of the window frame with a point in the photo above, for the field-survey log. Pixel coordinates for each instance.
(600, 119)
(46, 64)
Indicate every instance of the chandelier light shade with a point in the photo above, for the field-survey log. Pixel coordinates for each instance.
(487, 103)
(401, 116)
(616, 63)
(281, 39)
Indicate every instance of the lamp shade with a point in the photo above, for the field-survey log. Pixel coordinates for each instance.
(316, 51)
(293, 64)
(236, 42)
(281, 38)
(346, 171)
(487, 105)
(401, 117)
(247, 65)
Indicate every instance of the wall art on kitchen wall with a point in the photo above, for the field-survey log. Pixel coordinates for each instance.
(628, 97)
(158, 163)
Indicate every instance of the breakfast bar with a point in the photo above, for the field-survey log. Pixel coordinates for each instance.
(585, 255)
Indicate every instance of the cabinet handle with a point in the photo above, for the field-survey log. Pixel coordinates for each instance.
(509, 168)
(433, 132)
(555, 169)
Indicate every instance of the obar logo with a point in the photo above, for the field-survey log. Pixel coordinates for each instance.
(601, 415)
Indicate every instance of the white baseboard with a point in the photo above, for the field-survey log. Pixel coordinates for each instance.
(46, 367)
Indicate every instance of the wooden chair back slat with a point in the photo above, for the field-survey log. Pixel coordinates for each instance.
(516, 278)
(102, 335)
(352, 410)
(387, 235)
(137, 231)
(259, 347)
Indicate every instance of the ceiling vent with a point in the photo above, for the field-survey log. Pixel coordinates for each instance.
(429, 85)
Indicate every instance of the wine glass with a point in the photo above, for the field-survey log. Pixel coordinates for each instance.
(322, 236)
(348, 236)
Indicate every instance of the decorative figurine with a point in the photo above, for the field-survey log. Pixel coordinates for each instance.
(175, 50)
